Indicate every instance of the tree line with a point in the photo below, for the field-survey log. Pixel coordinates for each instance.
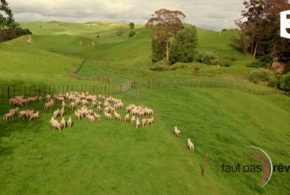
(260, 30)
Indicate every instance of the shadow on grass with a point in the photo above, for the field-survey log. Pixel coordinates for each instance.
(16, 125)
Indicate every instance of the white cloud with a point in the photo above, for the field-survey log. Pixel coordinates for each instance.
(210, 14)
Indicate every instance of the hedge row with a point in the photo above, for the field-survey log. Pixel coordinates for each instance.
(9, 34)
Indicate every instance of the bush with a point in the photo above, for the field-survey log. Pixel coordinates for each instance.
(263, 76)
(284, 82)
(158, 51)
(132, 34)
(131, 25)
(9, 34)
(120, 33)
(208, 58)
(256, 64)
(159, 67)
(183, 45)
(225, 62)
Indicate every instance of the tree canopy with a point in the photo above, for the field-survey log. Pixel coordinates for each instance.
(260, 29)
(183, 45)
(164, 24)
(8, 20)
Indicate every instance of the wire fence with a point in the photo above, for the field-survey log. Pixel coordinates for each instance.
(130, 88)
(127, 88)
(150, 84)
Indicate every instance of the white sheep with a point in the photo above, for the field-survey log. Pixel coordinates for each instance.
(144, 122)
(117, 116)
(137, 123)
(72, 105)
(69, 122)
(190, 144)
(133, 120)
(34, 116)
(62, 123)
(97, 117)
(177, 132)
(91, 118)
(108, 116)
(127, 118)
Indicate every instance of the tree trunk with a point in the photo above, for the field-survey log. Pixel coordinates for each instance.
(167, 50)
(255, 52)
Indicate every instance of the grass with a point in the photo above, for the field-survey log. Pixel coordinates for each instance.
(116, 158)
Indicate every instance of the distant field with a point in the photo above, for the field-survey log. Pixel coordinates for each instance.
(116, 158)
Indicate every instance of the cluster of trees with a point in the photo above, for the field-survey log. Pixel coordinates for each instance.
(260, 30)
(170, 39)
(6, 16)
(132, 32)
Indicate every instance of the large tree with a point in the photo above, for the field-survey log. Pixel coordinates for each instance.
(183, 45)
(165, 24)
(7, 20)
(260, 29)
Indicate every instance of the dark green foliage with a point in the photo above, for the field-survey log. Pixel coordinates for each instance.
(9, 34)
(132, 34)
(263, 76)
(183, 45)
(120, 33)
(210, 58)
(9, 20)
(158, 51)
(131, 25)
(284, 82)
(260, 30)
(257, 64)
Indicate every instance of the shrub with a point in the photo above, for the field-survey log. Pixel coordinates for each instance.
(225, 62)
(209, 58)
(284, 82)
(158, 51)
(132, 34)
(120, 33)
(159, 67)
(256, 64)
(183, 45)
(131, 25)
(9, 34)
(263, 76)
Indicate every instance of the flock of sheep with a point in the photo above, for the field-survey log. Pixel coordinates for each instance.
(109, 106)
(20, 101)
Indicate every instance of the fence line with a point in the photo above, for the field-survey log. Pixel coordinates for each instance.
(150, 84)
(129, 88)
(29, 91)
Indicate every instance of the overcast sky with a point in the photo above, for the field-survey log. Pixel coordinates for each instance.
(209, 14)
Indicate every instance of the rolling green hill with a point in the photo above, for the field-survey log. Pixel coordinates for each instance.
(116, 158)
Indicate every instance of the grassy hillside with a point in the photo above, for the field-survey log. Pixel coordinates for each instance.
(116, 158)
